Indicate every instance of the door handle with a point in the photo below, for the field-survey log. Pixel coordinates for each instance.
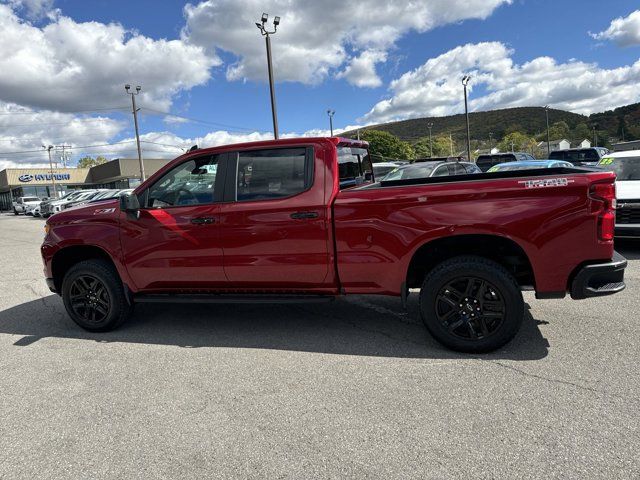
(304, 215)
(203, 220)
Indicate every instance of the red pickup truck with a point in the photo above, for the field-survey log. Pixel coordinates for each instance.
(302, 220)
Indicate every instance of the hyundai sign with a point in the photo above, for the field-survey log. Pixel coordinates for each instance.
(44, 177)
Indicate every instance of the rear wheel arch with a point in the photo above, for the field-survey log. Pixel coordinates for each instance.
(499, 249)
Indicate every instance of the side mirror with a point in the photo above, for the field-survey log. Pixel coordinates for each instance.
(129, 203)
(368, 176)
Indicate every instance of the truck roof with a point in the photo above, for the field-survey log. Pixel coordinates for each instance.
(283, 142)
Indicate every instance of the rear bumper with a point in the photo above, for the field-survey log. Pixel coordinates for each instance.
(627, 231)
(599, 279)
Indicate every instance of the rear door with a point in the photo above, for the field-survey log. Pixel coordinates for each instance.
(274, 220)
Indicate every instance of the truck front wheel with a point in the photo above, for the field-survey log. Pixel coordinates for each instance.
(471, 304)
(94, 296)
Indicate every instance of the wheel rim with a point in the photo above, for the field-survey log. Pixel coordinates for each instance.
(89, 299)
(470, 308)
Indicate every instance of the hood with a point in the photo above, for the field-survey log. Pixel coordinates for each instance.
(628, 189)
(92, 213)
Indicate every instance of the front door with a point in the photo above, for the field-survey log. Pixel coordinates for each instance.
(275, 223)
(175, 241)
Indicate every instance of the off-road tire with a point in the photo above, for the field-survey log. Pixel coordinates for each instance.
(105, 287)
(500, 289)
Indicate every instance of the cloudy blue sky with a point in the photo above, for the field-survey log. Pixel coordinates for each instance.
(203, 72)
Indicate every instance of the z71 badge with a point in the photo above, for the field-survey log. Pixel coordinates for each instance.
(547, 182)
(102, 211)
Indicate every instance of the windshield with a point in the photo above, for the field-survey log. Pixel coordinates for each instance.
(626, 168)
(411, 171)
(30, 199)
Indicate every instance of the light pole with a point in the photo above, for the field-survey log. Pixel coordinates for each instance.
(127, 88)
(546, 111)
(430, 126)
(490, 141)
(465, 81)
(267, 35)
(53, 181)
(331, 113)
(595, 135)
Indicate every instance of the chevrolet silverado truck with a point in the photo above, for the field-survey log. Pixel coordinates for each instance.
(304, 220)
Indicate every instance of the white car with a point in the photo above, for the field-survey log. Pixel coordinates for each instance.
(626, 165)
(22, 203)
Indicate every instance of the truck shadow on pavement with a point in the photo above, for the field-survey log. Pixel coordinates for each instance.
(371, 326)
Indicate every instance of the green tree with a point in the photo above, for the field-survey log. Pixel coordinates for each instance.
(441, 147)
(516, 141)
(87, 162)
(581, 132)
(387, 145)
(559, 130)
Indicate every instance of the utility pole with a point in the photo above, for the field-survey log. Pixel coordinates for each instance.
(490, 141)
(465, 81)
(267, 34)
(127, 87)
(63, 156)
(451, 145)
(595, 135)
(53, 181)
(358, 134)
(430, 126)
(331, 113)
(546, 111)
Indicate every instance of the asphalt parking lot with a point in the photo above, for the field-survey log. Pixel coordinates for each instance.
(356, 388)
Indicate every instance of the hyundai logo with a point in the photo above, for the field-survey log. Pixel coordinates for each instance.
(25, 178)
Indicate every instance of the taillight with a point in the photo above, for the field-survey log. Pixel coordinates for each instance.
(604, 195)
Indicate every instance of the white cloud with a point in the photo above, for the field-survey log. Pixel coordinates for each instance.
(361, 70)
(315, 37)
(34, 9)
(69, 66)
(434, 89)
(624, 31)
(24, 130)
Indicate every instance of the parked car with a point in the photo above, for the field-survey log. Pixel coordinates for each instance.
(529, 165)
(199, 230)
(486, 161)
(431, 169)
(102, 196)
(380, 169)
(81, 199)
(586, 157)
(54, 206)
(626, 166)
(22, 203)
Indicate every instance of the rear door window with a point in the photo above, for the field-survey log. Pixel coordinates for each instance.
(272, 174)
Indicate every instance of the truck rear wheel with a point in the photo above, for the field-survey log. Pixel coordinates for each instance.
(94, 296)
(471, 304)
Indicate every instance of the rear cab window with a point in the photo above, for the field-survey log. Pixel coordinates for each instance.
(354, 166)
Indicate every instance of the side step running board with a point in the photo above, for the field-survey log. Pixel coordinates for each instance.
(231, 298)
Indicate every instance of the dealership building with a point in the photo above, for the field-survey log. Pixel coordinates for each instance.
(40, 182)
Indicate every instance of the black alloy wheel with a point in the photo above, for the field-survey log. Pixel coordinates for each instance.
(89, 299)
(470, 308)
(471, 304)
(94, 295)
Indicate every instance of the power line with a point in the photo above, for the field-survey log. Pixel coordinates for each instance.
(37, 112)
(204, 122)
